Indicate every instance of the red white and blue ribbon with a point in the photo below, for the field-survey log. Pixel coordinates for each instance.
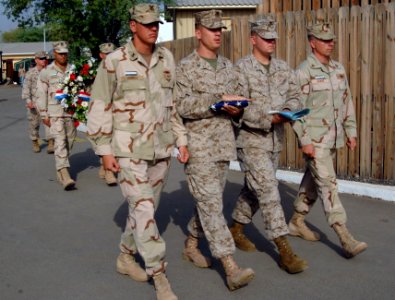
(84, 96)
(59, 95)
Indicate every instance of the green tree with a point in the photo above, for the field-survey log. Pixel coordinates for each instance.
(29, 34)
(83, 23)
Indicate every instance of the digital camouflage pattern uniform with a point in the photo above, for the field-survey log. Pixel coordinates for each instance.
(62, 128)
(132, 117)
(211, 144)
(29, 95)
(326, 92)
(259, 143)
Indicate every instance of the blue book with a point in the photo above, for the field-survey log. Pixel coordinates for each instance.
(237, 103)
(291, 115)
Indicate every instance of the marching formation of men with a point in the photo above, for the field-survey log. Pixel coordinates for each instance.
(143, 105)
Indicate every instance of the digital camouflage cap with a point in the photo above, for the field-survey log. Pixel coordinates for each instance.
(322, 31)
(145, 13)
(211, 19)
(106, 48)
(265, 27)
(60, 47)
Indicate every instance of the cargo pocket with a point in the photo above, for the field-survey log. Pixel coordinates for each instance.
(134, 93)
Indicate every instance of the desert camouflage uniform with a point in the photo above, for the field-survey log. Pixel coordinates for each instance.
(211, 144)
(62, 128)
(132, 117)
(259, 143)
(326, 92)
(29, 95)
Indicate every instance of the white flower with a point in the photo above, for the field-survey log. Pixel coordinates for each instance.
(91, 72)
(66, 90)
(79, 78)
(84, 103)
(74, 90)
(63, 103)
(72, 67)
(90, 63)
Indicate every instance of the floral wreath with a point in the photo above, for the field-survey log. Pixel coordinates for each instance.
(72, 93)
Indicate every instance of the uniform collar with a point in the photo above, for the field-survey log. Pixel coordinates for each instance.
(259, 66)
(316, 64)
(201, 62)
(157, 54)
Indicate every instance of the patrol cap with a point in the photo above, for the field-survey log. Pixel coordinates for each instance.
(211, 19)
(106, 48)
(145, 13)
(41, 54)
(265, 27)
(60, 47)
(321, 31)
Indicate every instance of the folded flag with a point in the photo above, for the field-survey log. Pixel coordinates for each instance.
(291, 115)
(84, 96)
(237, 103)
(59, 95)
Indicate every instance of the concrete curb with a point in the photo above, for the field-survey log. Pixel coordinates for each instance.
(383, 192)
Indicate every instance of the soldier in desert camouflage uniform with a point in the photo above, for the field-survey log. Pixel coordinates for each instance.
(326, 92)
(107, 175)
(61, 124)
(29, 95)
(203, 78)
(273, 86)
(132, 124)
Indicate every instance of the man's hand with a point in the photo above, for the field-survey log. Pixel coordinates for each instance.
(47, 122)
(351, 143)
(110, 163)
(183, 154)
(308, 150)
(30, 105)
(233, 97)
(277, 119)
(232, 110)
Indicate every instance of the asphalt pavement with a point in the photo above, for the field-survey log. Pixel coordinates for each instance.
(63, 245)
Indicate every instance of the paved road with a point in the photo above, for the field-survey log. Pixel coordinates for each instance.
(63, 245)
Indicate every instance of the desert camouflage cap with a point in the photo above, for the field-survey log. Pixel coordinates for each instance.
(60, 47)
(322, 31)
(106, 48)
(145, 13)
(41, 54)
(211, 19)
(265, 27)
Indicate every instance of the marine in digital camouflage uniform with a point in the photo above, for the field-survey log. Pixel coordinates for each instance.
(203, 78)
(29, 96)
(326, 92)
(61, 124)
(133, 126)
(273, 87)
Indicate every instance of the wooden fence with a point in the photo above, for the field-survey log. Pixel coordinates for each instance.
(366, 47)
(273, 6)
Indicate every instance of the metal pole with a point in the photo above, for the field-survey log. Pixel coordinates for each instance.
(45, 46)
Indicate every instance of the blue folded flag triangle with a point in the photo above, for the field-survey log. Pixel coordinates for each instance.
(237, 103)
(292, 115)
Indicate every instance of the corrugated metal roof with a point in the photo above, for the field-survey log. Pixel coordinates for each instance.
(218, 3)
(23, 48)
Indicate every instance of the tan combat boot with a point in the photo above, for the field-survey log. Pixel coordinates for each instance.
(36, 146)
(51, 146)
(102, 172)
(351, 246)
(163, 288)
(241, 241)
(297, 227)
(128, 266)
(110, 178)
(236, 277)
(192, 253)
(64, 179)
(289, 261)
